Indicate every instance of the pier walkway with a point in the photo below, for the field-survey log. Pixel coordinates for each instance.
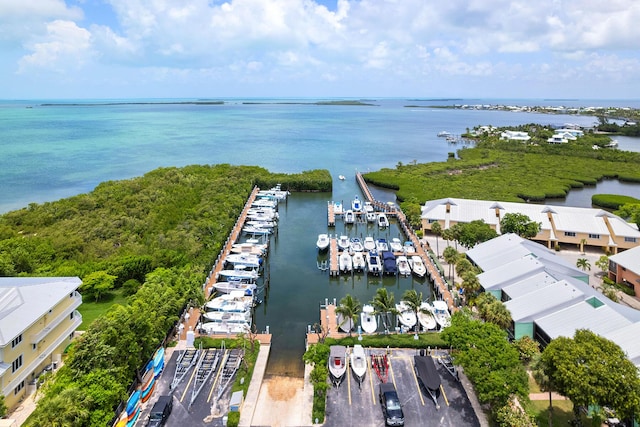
(334, 269)
(231, 240)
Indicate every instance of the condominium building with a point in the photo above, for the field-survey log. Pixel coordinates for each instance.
(38, 318)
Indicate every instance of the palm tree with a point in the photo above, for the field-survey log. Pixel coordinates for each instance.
(583, 263)
(539, 373)
(450, 255)
(436, 229)
(349, 309)
(413, 300)
(384, 303)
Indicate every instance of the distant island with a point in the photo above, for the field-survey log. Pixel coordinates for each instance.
(345, 102)
(91, 104)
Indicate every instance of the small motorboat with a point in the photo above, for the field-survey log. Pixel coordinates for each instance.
(417, 266)
(345, 325)
(244, 260)
(368, 319)
(389, 265)
(409, 249)
(235, 285)
(356, 204)
(368, 207)
(337, 363)
(249, 249)
(371, 216)
(443, 134)
(358, 360)
(344, 243)
(323, 242)
(383, 221)
(239, 274)
(406, 316)
(395, 245)
(373, 263)
(356, 245)
(404, 268)
(359, 261)
(349, 217)
(428, 377)
(426, 318)
(342, 177)
(345, 262)
(381, 245)
(369, 244)
(441, 313)
(235, 301)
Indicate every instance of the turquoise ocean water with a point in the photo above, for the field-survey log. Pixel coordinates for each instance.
(48, 152)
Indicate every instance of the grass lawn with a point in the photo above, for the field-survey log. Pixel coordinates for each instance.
(91, 310)
(533, 385)
(562, 413)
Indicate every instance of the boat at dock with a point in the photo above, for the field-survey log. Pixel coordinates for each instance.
(358, 360)
(441, 313)
(408, 247)
(239, 274)
(237, 285)
(244, 260)
(345, 262)
(404, 268)
(417, 266)
(369, 244)
(389, 265)
(235, 301)
(359, 261)
(264, 203)
(356, 204)
(383, 221)
(395, 245)
(337, 363)
(381, 245)
(344, 243)
(249, 249)
(426, 318)
(323, 242)
(253, 230)
(349, 217)
(406, 316)
(221, 322)
(356, 245)
(368, 319)
(345, 325)
(373, 263)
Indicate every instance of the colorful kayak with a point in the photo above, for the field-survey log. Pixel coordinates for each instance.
(122, 421)
(158, 361)
(147, 392)
(133, 404)
(134, 418)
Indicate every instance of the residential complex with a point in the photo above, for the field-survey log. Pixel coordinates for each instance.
(38, 318)
(559, 224)
(625, 268)
(549, 298)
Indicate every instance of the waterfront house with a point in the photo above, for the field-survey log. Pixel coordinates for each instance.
(38, 318)
(560, 225)
(625, 268)
(513, 135)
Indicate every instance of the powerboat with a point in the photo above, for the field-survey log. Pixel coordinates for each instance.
(371, 216)
(345, 262)
(373, 263)
(345, 325)
(239, 274)
(428, 376)
(358, 360)
(417, 266)
(368, 319)
(395, 245)
(426, 318)
(383, 221)
(349, 217)
(222, 322)
(235, 301)
(359, 261)
(337, 208)
(337, 363)
(356, 245)
(262, 223)
(369, 244)
(441, 313)
(275, 192)
(381, 245)
(404, 268)
(264, 203)
(249, 248)
(342, 177)
(406, 316)
(389, 266)
(409, 249)
(255, 230)
(368, 207)
(323, 242)
(249, 261)
(237, 285)
(356, 204)
(443, 134)
(344, 243)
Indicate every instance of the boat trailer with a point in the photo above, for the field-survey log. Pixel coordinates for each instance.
(445, 360)
(380, 364)
(206, 366)
(186, 360)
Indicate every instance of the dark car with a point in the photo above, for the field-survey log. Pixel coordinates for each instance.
(160, 411)
(391, 408)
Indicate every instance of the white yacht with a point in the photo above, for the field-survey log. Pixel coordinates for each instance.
(337, 363)
(368, 319)
(374, 266)
(236, 285)
(417, 266)
(345, 262)
(356, 204)
(323, 242)
(406, 316)
(427, 320)
(349, 217)
(244, 260)
(395, 245)
(381, 245)
(344, 243)
(383, 221)
(441, 313)
(359, 261)
(235, 301)
(404, 269)
(369, 244)
(358, 360)
(356, 245)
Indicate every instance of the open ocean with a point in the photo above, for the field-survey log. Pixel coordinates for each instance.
(50, 152)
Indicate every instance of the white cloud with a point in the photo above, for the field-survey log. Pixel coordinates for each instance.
(66, 46)
(22, 19)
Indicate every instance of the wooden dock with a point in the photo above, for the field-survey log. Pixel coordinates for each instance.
(231, 240)
(334, 268)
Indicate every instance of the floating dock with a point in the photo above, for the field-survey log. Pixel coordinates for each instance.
(331, 215)
(334, 268)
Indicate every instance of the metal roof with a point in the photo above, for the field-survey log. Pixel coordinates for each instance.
(630, 346)
(510, 273)
(565, 322)
(537, 304)
(529, 284)
(629, 259)
(24, 300)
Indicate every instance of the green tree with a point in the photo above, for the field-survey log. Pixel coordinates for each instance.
(450, 256)
(349, 308)
(492, 310)
(71, 407)
(97, 284)
(474, 232)
(519, 224)
(436, 229)
(3, 407)
(470, 284)
(591, 370)
(447, 235)
(384, 304)
(603, 263)
(631, 212)
(463, 265)
(527, 348)
(583, 263)
(539, 372)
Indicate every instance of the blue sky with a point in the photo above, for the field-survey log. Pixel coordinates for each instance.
(587, 49)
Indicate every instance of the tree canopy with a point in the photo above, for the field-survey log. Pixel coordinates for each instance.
(519, 224)
(591, 370)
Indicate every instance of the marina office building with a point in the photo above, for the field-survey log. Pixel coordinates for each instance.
(582, 227)
(38, 318)
(549, 298)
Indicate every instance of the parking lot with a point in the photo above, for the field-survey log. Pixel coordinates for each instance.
(349, 405)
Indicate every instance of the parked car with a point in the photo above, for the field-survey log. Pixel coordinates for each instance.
(160, 411)
(391, 408)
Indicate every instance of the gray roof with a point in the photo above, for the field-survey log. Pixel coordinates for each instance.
(629, 259)
(537, 304)
(24, 300)
(630, 346)
(529, 284)
(507, 274)
(600, 320)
